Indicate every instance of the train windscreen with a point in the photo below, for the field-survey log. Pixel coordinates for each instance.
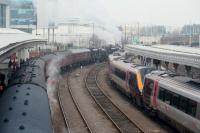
(133, 82)
(145, 71)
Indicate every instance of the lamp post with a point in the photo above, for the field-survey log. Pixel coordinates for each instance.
(199, 40)
(93, 33)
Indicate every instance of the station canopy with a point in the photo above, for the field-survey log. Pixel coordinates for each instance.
(10, 36)
(175, 54)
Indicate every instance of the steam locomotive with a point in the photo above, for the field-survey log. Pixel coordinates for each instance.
(24, 105)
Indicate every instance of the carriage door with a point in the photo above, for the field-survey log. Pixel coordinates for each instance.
(127, 81)
(155, 95)
(132, 84)
(147, 91)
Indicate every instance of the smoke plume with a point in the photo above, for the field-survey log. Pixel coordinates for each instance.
(89, 11)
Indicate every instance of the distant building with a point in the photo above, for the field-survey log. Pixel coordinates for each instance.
(151, 34)
(150, 39)
(76, 34)
(23, 15)
(153, 30)
(137, 33)
(4, 14)
(181, 40)
(191, 29)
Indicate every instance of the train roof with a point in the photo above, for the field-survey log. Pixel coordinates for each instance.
(102, 49)
(80, 50)
(113, 48)
(123, 64)
(182, 85)
(63, 53)
(115, 55)
(94, 49)
(48, 57)
(19, 110)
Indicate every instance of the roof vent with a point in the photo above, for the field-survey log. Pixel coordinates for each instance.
(6, 120)
(25, 102)
(24, 114)
(126, 61)
(14, 97)
(10, 108)
(21, 127)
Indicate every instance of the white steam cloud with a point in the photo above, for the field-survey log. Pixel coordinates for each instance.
(54, 76)
(53, 73)
(91, 11)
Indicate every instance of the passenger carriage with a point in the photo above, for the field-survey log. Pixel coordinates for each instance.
(175, 99)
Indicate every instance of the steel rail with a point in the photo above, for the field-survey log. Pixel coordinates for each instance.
(76, 106)
(62, 109)
(112, 111)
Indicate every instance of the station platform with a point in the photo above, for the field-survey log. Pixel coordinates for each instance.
(182, 55)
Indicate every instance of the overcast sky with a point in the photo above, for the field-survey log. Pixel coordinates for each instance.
(112, 13)
(163, 12)
(167, 12)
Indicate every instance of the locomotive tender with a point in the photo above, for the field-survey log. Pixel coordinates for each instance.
(24, 104)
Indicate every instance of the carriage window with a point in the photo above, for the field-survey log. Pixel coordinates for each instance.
(180, 102)
(175, 100)
(120, 74)
(192, 107)
(168, 96)
(183, 104)
(161, 94)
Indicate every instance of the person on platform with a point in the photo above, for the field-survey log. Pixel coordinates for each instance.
(9, 64)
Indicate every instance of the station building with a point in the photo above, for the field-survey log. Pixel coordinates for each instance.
(23, 15)
(4, 14)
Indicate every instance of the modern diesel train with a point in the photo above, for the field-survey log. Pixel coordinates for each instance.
(24, 103)
(173, 98)
(176, 99)
(129, 77)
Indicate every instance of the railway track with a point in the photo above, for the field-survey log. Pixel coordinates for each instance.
(118, 118)
(62, 99)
